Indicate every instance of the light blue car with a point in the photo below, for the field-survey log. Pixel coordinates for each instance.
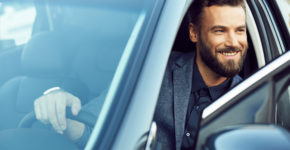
(112, 54)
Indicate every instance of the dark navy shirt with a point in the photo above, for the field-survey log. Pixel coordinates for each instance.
(200, 97)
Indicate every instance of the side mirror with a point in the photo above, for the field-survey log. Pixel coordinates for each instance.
(249, 137)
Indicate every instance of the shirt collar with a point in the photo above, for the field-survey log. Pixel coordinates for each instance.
(217, 91)
(197, 81)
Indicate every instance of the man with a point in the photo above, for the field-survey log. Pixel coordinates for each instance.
(191, 81)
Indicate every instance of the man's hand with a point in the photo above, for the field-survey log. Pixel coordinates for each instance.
(51, 108)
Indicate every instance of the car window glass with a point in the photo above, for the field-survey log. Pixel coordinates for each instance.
(283, 102)
(285, 10)
(266, 101)
(16, 22)
(283, 108)
(247, 110)
(77, 46)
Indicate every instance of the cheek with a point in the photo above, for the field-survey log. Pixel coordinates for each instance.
(244, 41)
(211, 47)
(214, 42)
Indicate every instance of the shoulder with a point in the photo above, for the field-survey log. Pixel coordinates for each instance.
(175, 55)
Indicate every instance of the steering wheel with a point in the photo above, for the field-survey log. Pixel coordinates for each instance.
(25, 137)
(84, 117)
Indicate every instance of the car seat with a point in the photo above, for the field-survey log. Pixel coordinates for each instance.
(46, 62)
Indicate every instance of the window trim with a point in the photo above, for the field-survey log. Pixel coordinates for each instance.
(273, 26)
(254, 33)
(101, 137)
(281, 24)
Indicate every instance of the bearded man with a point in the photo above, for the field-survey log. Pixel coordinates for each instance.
(194, 80)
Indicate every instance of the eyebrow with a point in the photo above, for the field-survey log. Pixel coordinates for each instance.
(223, 27)
(243, 26)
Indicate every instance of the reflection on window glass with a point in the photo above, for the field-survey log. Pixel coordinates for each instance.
(74, 52)
(15, 23)
(285, 10)
(251, 109)
(283, 108)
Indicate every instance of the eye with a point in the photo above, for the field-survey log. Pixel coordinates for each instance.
(242, 30)
(219, 31)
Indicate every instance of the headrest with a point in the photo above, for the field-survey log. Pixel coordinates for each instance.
(44, 54)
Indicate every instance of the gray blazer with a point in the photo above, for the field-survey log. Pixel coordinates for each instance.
(171, 109)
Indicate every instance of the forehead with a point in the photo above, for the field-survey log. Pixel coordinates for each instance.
(224, 15)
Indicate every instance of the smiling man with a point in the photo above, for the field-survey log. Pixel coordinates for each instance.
(221, 42)
(193, 80)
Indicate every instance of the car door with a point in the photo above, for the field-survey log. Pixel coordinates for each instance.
(263, 98)
(266, 97)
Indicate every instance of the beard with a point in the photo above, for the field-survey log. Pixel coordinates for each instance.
(230, 68)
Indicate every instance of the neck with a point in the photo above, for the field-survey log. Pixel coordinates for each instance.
(209, 77)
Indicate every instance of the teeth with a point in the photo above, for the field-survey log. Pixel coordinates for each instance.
(230, 54)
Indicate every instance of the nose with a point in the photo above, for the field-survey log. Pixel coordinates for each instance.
(232, 40)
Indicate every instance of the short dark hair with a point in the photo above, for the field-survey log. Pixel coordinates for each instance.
(196, 8)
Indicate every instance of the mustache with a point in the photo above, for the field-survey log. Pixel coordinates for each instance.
(229, 49)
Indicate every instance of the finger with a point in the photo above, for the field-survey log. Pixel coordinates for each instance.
(75, 129)
(60, 110)
(43, 111)
(37, 109)
(74, 102)
(52, 113)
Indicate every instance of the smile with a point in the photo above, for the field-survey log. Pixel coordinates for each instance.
(229, 53)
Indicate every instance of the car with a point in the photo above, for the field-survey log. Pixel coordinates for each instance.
(117, 51)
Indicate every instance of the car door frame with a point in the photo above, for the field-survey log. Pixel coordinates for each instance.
(274, 40)
(132, 116)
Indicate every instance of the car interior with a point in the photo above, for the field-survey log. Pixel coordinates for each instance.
(64, 49)
(61, 52)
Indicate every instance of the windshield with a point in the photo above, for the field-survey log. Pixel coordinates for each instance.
(70, 48)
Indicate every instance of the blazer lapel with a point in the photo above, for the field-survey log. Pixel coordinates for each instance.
(182, 80)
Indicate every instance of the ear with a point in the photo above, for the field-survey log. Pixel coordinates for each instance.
(193, 34)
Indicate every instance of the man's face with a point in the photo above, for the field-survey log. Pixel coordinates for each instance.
(222, 39)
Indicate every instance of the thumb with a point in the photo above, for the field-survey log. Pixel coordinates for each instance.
(74, 103)
(75, 108)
